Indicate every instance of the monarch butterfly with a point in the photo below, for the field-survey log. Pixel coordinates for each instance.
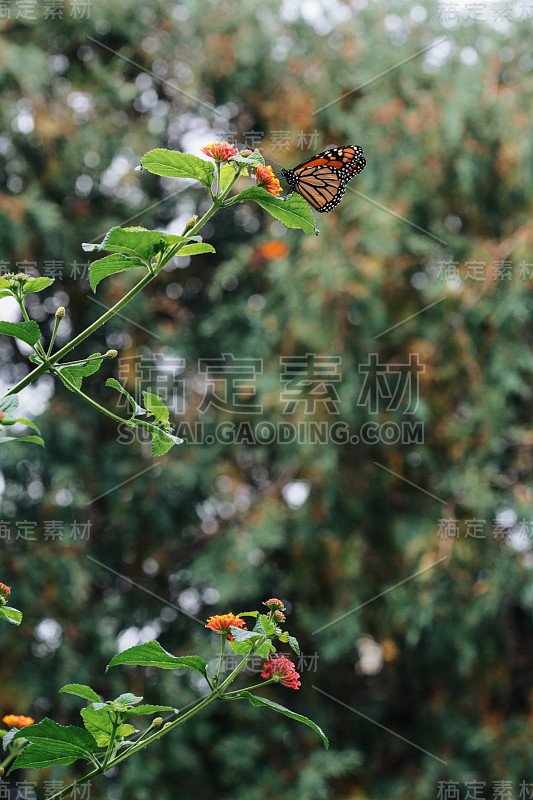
(322, 180)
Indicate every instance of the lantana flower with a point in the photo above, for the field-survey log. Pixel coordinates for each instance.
(223, 622)
(265, 177)
(281, 670)
(4, 592)
(274, 604)
(17, 720)
(279, 616)
(220, 151)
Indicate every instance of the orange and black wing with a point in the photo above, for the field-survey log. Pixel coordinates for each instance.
(322, 180)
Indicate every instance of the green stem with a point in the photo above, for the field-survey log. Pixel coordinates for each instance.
(52, 340)
(92, 402)
(230, 184)
(248, 688)
(13, 752)
(38, 348)
(115, 724)
(170, 726)
(163, 260)
(221, 657)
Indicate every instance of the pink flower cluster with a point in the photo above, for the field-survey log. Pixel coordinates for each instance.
(282, 670)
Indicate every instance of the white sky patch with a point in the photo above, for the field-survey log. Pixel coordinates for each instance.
(296, 493)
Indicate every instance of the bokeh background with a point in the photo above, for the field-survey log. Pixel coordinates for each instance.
(427, 261)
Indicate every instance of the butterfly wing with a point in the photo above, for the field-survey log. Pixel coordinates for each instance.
(322, 179)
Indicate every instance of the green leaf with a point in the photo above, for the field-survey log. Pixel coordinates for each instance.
(173, 164)
(154, 405)
(293, 643)
(9, 403)
(12, 615)
(25, 331)
(172, 238)
(262, 701)
(264, 623)
(100, 725)
(254, 158)
(152, 654)
(147, 709)
(293, 212)
(51, 743)
(77, 373)
(33, 439)
(137, 242)
(124, 701)
(36, 285)
(137, 409)
(8, 737)
(28, 424)
(110, 265)
(162, 443)
(196, 249)
(227, 173)
(80, 690)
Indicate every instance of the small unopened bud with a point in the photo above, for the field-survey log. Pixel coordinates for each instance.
(1, 771)
(157, 722)
(111, 354)
(191, 223)
(166, 725)
(60, 313)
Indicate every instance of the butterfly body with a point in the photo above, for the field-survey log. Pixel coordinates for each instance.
(322, 179)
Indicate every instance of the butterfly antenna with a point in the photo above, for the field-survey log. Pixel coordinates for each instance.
(274, 162)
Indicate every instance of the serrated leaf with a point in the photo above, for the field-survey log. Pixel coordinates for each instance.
(110, 265)
(9, 404)
(253, 158)
(137, 409)
(162, 443)
(155, 406)
(12, 615)
(8, 737)
(293, 644)
(36, 285)
(77, 373)
(50, 743)
(262, 701)
(148, 709)
(265, 624)
(293, 212)
(80, 690)
(137, 242)
(173, 164)
(125, 700)
(32, 439)
(100, 725)
(25, 331)
(152, 654)
(196, 249)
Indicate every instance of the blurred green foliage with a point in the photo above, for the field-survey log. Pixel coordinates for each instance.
(448, 141)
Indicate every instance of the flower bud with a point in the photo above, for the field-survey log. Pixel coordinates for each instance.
(60, 313)
(191, 223)
(274, 604)
(111, 354)
(157, 722)
(166, 725)
(1, 414)
(1, 771)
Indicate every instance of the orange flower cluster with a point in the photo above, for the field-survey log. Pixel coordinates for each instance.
(222, 623)
(220, 151)
(4, 590)
(17, 721)
(265, 177)
(273, 249)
